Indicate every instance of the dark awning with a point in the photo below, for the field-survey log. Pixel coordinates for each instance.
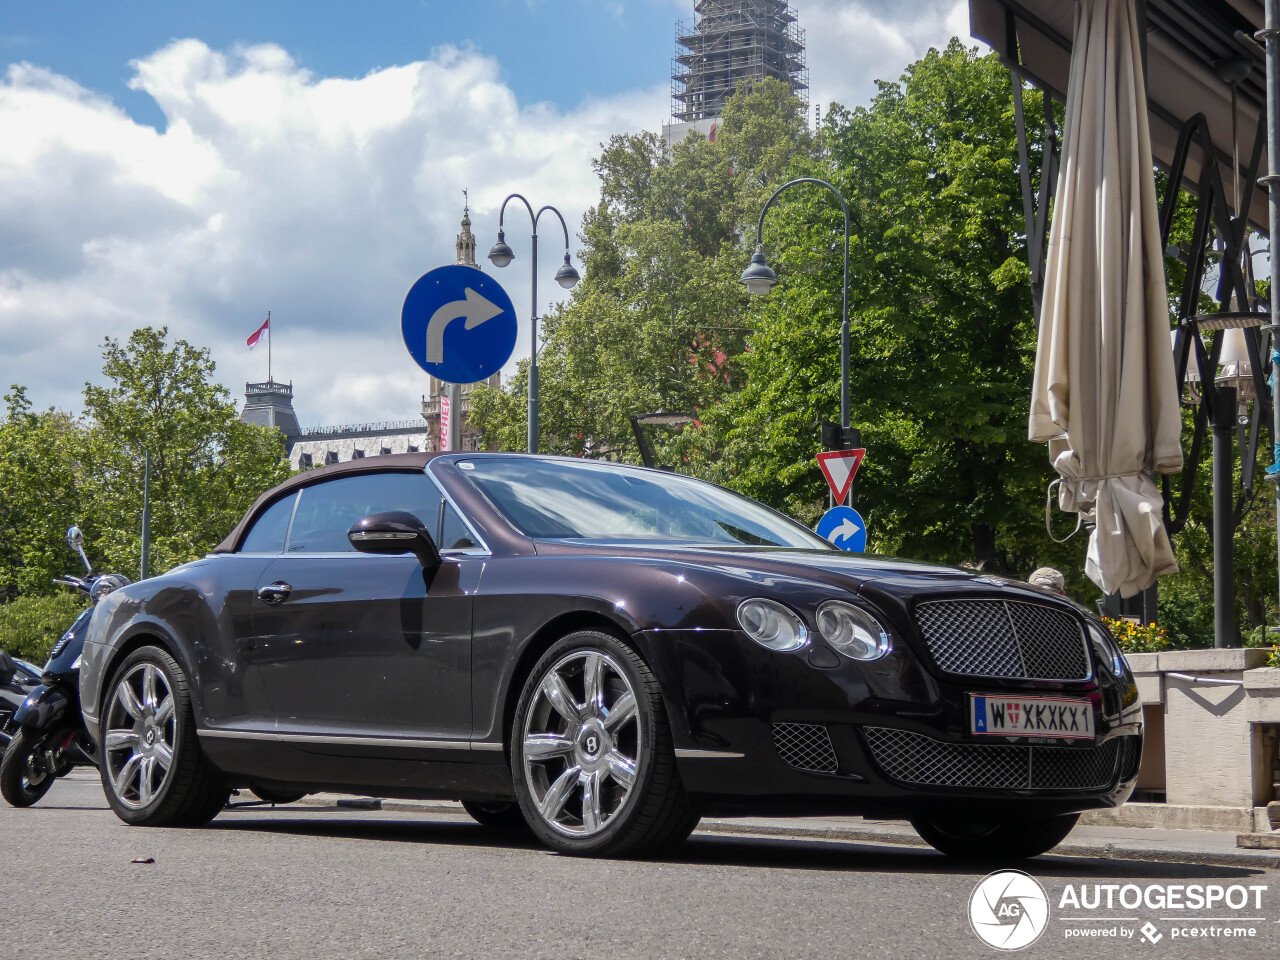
(1188, 41)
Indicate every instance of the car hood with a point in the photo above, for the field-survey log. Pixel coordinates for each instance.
(848, 571)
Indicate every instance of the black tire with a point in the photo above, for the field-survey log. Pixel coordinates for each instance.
(16, 784)
(495, 813)
(650, 814)
(274, 796)
(995, 841)
(190, 792)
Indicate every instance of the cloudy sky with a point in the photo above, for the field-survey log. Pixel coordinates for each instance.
(198, 164)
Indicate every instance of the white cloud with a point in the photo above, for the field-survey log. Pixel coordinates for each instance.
(852, 43)
(319, 199)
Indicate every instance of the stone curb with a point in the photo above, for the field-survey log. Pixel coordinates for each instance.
(890, 833)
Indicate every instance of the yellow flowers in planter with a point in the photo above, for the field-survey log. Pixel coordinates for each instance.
(1137, 638)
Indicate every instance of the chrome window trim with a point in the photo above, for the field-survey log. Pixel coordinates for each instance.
(480, 551)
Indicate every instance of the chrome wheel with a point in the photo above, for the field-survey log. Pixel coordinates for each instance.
(582, 743)
(140, 736)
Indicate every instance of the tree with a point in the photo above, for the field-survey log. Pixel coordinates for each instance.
(658, 315)
(206, 466)
(39, 495)
(942, 328)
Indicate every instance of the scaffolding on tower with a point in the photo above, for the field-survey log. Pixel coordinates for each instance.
(731, 41)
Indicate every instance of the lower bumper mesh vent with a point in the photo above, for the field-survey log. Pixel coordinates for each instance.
(916, 759)
(805, 746)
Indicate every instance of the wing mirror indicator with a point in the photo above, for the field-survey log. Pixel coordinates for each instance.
(394, 532)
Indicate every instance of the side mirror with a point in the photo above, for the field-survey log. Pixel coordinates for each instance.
(395, 532)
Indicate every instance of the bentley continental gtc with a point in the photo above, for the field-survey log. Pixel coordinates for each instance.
(601, 654)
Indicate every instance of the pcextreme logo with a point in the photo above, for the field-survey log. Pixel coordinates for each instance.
(1008, 910)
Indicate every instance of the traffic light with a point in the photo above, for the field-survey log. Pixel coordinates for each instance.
(835, 437)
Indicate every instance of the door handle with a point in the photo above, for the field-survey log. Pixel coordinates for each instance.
(274, 593)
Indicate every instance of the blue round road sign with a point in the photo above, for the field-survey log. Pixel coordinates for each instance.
(459, 324)
(843, 527)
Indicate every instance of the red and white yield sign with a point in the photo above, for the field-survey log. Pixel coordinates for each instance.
(840, 467)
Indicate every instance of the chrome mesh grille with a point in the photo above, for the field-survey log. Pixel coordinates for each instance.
(1131, 760)
(805, 746)
(1003, 638)
(916, 759)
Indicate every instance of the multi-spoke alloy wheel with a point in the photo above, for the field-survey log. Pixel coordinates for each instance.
(592, 759)
(140, 735)
(582, 743)
(153, 771)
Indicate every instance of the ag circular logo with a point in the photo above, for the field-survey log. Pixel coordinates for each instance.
(1008, 910)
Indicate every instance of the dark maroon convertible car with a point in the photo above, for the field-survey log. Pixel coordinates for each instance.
(605, 654)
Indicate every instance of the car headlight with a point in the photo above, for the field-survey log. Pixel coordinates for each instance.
(1106, 649)
(852, 631)
(772, 625)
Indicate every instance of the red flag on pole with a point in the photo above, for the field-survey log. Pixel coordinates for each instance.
(253, 339)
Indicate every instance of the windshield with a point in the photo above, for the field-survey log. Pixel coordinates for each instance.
(564, 500)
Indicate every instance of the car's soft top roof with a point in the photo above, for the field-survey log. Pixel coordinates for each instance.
(404, 462)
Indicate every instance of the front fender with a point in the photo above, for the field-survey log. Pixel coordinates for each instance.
(43, 710)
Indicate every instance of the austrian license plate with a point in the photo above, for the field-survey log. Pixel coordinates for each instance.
(1004, 716)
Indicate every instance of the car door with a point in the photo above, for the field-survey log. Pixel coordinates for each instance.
(234, 696)
(360, 645)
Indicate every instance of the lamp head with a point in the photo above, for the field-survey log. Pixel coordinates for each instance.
(567, 276)
(759, 277)
(500, 254)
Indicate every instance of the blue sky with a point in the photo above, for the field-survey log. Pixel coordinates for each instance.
(562, 52)
(198, 164)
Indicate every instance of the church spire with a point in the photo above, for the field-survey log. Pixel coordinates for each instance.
(466, 242)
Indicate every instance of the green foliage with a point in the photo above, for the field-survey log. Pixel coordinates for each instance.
(55, 469)
(943, 336)
(30, 626)
(206, 466)
(39, 495)
(656, 322)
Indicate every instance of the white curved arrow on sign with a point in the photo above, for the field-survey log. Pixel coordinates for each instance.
(475, 309)
(846, 530)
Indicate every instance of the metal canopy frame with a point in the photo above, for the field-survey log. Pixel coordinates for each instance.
(1185, 43)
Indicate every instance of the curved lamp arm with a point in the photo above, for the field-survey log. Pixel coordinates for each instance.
(844, 306)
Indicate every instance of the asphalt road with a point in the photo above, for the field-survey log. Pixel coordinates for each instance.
(312, 882)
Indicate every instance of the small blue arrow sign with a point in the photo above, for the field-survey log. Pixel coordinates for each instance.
(459, 324)
(843, 527)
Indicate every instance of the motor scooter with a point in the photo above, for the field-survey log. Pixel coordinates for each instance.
(48, 733)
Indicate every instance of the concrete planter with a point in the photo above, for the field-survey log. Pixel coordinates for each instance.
(1203, 711)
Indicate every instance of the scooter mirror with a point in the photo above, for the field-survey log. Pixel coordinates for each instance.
(75, 540)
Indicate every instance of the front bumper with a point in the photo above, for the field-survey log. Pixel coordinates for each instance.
(812, 732)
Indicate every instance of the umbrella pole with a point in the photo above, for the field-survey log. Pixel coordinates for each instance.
(1271, 35)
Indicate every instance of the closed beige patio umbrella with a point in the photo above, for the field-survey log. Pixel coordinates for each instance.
(1104, 396)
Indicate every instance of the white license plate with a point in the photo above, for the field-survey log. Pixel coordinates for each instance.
(1005, 716)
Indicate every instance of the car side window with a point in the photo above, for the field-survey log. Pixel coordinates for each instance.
(327, 510)
(454, 534)
(268, 531)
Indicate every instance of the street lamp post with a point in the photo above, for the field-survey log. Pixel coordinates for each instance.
(759, 279)
(501, 255)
